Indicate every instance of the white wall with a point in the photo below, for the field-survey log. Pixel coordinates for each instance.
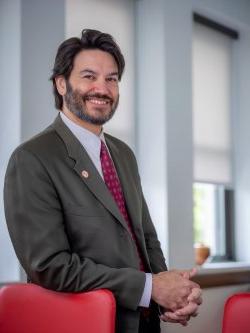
(42, 30)
(117, 18)
(151, 111)
(165, 118)
(28, 47)
(10, 97)
(242, 147)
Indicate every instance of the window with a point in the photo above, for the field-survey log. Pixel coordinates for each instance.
(212, 67)
(213, 211)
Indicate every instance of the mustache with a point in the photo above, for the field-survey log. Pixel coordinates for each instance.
(98, 96)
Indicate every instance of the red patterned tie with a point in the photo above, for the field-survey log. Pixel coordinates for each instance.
(113, 183)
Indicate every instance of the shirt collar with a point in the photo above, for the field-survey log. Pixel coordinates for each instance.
(90, 141)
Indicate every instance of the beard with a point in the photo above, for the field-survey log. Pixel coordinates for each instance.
(76, 103)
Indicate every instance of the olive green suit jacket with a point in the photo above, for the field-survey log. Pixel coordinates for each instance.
(67, 230)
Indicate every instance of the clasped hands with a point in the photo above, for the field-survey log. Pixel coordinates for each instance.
(177, 295)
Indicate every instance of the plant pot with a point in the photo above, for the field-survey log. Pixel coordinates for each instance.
(202, 252)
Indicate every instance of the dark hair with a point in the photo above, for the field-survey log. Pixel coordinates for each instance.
(67, 51)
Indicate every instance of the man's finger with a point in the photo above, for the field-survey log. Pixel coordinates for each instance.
(181, 322)
(188, 274)
(187, 310)
(174, 316)
(195, 295)
(191, 273)
(197, 301)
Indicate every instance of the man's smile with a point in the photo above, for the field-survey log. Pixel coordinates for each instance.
(98, 100)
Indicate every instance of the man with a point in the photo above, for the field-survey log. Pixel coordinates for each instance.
(74, 204)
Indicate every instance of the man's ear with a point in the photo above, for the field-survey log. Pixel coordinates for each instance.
(61, 85)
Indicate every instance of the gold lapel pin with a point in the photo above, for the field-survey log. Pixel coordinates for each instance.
(85, 174)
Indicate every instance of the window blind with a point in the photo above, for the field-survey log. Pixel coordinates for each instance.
(211, 105)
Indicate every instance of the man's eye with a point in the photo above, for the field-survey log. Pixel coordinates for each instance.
(89, 77)
(112, 79)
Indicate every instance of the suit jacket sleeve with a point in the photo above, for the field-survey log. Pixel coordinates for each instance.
(35, 221)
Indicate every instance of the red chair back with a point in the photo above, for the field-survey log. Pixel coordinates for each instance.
(28, 308)
(236, 317)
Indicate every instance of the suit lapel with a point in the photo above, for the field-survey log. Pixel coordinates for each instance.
(83, 163)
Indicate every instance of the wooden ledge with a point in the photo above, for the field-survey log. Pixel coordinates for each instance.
(226, 278)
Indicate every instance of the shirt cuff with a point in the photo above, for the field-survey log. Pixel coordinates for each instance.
(146, 296)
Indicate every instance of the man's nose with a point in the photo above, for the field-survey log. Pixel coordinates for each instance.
(100, 86)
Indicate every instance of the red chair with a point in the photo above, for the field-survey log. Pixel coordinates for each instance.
(236, 317)
(28, 308)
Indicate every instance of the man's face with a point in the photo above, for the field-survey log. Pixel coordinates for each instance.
(92, 91)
